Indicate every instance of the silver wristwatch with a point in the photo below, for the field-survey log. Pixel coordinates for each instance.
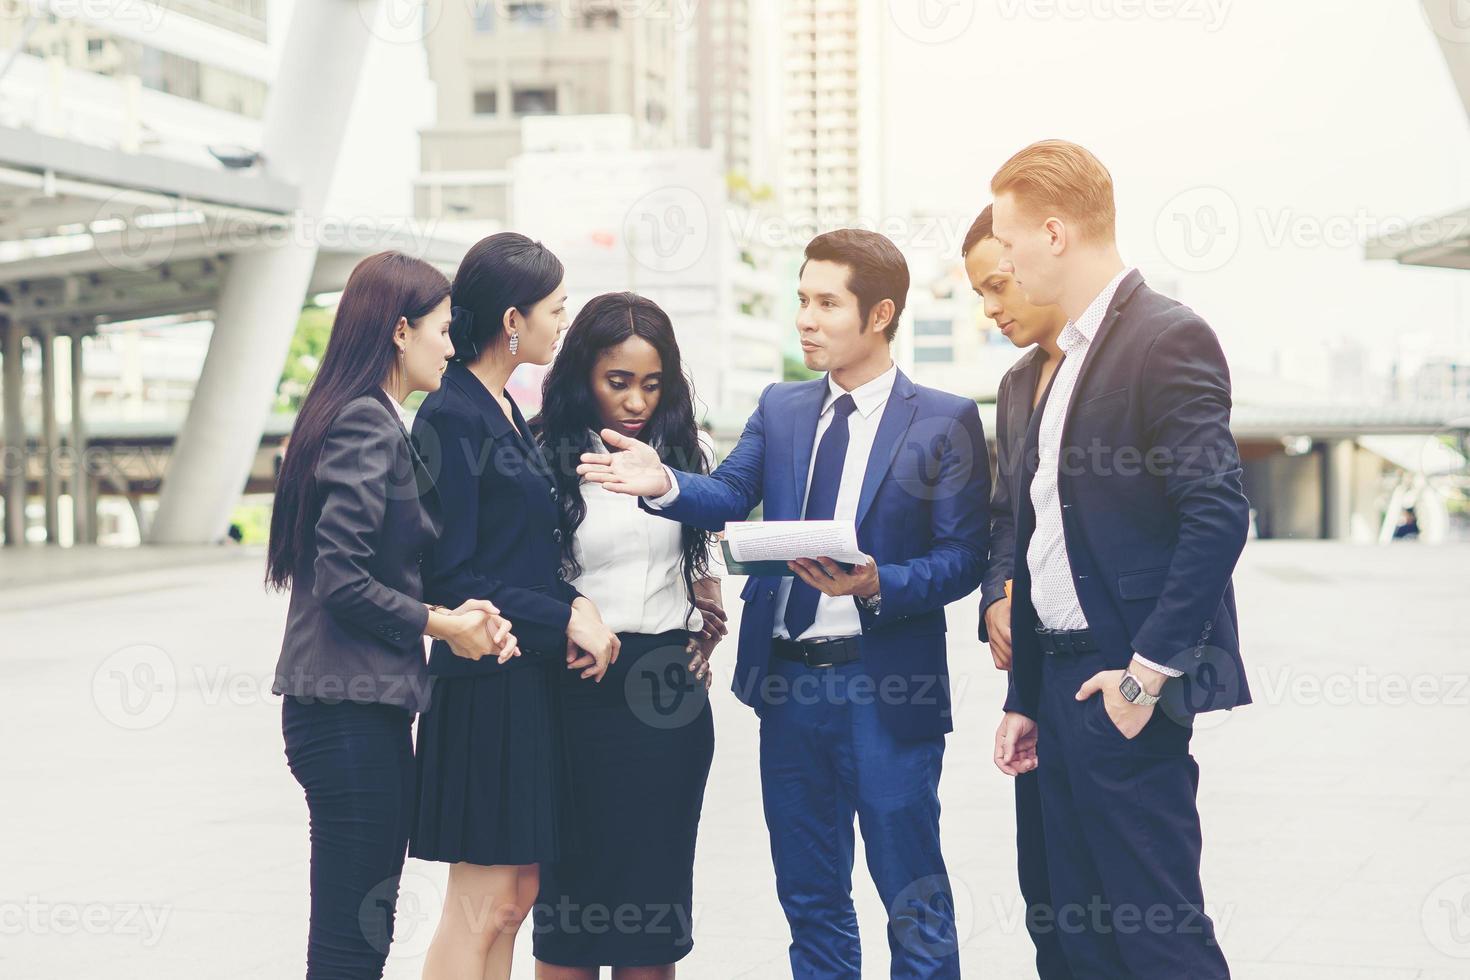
(872, 603)
(1132, 690)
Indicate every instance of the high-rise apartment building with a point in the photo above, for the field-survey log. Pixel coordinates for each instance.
(497, 62)
(830, 111)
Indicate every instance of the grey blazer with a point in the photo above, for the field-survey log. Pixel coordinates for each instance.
(356, 622)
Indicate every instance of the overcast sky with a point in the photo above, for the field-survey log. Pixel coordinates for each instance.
(1253, 143)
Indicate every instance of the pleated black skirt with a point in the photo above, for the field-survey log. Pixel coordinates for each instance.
(491, 769)
(639, 747)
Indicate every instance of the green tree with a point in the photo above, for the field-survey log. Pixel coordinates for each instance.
(307, 346)
(794, 369)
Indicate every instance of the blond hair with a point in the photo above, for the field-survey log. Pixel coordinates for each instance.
(1064, 179)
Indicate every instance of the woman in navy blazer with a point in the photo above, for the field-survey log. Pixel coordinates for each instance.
(353, 515)
(490, 769)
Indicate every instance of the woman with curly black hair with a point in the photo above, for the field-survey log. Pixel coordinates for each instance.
(642, 741)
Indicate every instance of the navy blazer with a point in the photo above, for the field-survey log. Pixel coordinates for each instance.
(1153, 512)
(355, 628)
(1013, 406)
(921, 515)
(502, 534)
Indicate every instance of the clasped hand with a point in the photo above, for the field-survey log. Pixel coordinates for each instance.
(476, 629)
(591, 647)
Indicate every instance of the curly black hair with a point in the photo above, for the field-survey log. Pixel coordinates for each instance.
(568, 422)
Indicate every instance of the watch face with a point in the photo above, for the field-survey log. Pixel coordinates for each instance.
(1129, 688)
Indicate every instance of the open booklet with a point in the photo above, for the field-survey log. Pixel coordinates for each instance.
(764, 547)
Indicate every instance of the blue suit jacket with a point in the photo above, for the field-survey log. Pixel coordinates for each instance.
(922, 515)
(1152, 508)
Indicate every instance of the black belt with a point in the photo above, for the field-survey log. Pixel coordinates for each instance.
(818, 653)
(1065, 641)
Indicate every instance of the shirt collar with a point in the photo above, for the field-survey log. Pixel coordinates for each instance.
(868, 397)
(401, 412)
(1080, 332)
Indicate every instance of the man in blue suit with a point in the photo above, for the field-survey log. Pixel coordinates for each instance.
(846, 666)
(1129, 518)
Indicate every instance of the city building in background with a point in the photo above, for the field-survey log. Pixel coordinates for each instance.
(497, 64)
(658, 223)
(727, 86)
(163, 78)
(162, 221)
(830, 109)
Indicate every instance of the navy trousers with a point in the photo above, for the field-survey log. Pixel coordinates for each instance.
(1122, 836)
(825, 758)
(355, 762)
(1051, 962)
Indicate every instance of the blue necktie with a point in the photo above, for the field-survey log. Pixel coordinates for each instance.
(821, 505)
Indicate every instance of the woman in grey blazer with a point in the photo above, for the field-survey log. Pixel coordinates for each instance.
(355, 511)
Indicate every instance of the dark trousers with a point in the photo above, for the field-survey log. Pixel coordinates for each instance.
(355, 762)
(1122, 836)
(825, 758)
(1051, 962)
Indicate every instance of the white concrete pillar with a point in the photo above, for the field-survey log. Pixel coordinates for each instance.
(50, 438)
(260, 302)
(1337, 488)
(83, 507)
(14, 457)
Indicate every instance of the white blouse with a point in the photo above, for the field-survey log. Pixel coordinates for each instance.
(632, 561)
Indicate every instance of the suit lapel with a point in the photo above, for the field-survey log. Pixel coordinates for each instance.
(898, 413)
(500, 427)
(806, 409)
(1020, 396)
(1124, 293)
(1031, 446)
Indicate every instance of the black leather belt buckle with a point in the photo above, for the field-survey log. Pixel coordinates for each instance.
(819, 653)
(1065, 641)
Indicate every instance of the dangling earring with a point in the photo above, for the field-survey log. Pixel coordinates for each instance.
(515, 343)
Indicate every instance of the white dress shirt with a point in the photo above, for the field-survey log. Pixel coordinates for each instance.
(632, 561)
(1053, 590)
(403, 415)
(836, 615)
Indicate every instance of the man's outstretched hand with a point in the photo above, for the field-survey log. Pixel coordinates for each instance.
(634, 468)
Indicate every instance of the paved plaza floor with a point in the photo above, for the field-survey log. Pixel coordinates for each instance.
(149, 827)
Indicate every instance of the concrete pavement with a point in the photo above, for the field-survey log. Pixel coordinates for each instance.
(150, 828)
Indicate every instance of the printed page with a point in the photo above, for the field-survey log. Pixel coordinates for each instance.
(784, 540)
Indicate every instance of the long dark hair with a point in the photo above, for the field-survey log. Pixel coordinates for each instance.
(357, 361)
(502, 271)
(568, 420)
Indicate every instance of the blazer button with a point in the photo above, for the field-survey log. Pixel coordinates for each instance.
(554, 495)
(556, 535)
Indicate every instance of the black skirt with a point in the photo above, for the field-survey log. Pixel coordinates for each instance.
(491, 769)
(639, 747)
